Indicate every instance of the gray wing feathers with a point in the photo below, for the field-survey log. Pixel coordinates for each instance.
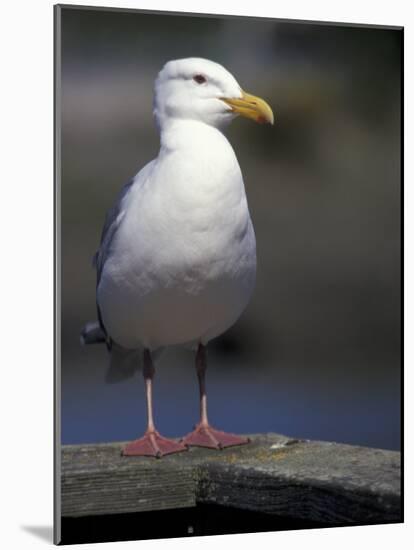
(112, 221)
(123, 363)
(92, 333)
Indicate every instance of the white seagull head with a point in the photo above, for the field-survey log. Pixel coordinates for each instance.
(201, 90)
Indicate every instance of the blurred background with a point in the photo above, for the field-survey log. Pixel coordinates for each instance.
(317, 353)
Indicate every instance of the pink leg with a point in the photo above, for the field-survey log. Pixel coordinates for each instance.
(152, 443)
(204, 435)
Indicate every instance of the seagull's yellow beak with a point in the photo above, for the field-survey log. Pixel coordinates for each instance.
(252, 107)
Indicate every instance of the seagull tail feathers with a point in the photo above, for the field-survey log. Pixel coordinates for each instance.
(123, 364)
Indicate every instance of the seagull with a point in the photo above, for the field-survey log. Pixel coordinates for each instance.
(176, 265)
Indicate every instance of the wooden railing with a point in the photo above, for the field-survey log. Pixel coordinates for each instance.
(323, 482)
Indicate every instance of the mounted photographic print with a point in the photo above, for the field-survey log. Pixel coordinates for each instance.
(228, 274)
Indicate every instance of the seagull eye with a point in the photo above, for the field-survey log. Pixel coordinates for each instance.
(199, 78)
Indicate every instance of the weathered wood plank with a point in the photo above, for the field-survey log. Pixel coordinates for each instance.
(311, 480)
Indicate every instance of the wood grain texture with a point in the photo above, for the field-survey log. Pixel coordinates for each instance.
(310, 480)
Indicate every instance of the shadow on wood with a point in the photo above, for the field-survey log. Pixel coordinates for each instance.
(203, 520)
